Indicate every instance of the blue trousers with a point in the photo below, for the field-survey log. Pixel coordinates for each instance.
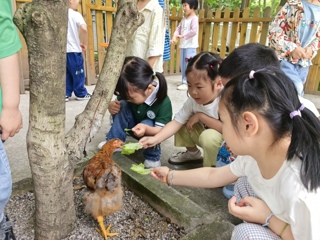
(5, 180)
(75, 77)
(296, 73)
(125, 119)
(185, 54)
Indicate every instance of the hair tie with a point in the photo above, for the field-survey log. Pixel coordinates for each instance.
(297, 112)
(251, 74)
(154, 74)
(211, 66)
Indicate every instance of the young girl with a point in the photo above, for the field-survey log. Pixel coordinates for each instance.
(197, 122)
(277, 192)
(187, 32)
(142, 106)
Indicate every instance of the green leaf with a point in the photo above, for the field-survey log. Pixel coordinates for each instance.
(140, 169)
(130, 148)
(127, 129)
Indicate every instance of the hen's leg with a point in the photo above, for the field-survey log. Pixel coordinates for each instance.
(103, 231)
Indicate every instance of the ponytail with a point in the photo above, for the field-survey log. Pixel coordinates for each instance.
(163, 87)
(305, 139)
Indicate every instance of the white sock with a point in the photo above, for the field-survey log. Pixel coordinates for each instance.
(194, 153)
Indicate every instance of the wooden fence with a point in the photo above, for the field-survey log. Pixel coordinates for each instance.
(219, 32)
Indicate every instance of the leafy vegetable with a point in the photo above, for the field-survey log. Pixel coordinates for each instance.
(130, 148)
(140, 169)
(127, 129)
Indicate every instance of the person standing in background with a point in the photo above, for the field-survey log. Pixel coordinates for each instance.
(10, 118)
(187, 32)
(166, 52)
(148, 40)
(77, 41)
(295, 36)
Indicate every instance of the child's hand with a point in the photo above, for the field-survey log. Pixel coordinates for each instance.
(192, 120)
(83, 47)
(10, 122)
(139, 130)
(298, 53)
(173, 40)
(180, 36)
(249, 209)
(114, 107)
(309, 52)
(160, 173)
(147, 142)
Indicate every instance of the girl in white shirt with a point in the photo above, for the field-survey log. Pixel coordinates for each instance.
(278, 189)
(197, 122)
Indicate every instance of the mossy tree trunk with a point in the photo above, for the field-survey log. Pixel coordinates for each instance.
(53, 153)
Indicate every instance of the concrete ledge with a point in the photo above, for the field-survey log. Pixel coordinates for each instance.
(172, 204)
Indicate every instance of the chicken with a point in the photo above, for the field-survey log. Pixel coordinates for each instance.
(102, 177)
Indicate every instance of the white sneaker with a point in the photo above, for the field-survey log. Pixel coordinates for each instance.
(151, 164)
(86, 97)
(186, 157)
(183, 86)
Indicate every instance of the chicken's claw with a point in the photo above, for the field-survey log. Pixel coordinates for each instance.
(105, 233)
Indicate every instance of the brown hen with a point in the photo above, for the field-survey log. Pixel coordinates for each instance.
(102, 176)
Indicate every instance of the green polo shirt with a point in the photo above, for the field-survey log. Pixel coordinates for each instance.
(9, 39)
(160, 113)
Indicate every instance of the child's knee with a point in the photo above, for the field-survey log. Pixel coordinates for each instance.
(210, 138)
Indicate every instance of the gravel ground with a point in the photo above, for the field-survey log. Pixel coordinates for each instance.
(137, 219)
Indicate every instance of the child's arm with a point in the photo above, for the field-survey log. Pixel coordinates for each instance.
(206, 177)
(205, 119)
(167, 131)
(11, 118)
(83, 34)
(176, 34)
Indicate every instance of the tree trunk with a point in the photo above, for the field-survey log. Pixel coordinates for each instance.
(43, 23)
(44, 27)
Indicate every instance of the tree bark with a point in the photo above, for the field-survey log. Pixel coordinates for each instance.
(52, 153)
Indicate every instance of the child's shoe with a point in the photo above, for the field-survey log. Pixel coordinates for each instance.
(151, 164)
(228, 191)
(186, 157)
(86, 97)
(6, 230)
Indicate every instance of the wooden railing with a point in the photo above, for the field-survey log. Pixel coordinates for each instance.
(219, 31)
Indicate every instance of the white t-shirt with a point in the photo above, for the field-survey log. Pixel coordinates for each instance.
(190, 107)
(285, 195)
(310, 105)
(75, 20)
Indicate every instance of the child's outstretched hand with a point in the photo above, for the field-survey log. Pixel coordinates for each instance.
(147, 142)
(160, 173)
(114, 107)
(139, 130)
(249, 209)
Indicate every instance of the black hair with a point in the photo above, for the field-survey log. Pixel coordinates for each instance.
(139, 74)
(251, 56)
(273, 95)
(206, 64)
(192, 3)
